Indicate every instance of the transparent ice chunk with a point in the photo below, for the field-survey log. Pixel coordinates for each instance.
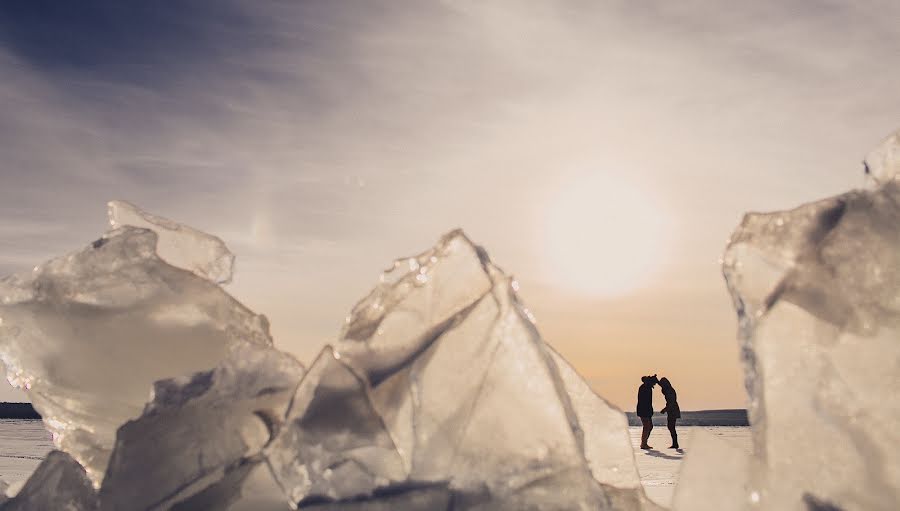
(440, 393)
(418, 297)
(476, 398)
(883, 162)
(179, 245)
(260, 492)
(607, 445)
(59, 482)
(218, 495)
(87, 334)
(333, 445)
(817, 290)
(202, 434)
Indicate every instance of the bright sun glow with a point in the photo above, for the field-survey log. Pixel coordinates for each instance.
(605, 237)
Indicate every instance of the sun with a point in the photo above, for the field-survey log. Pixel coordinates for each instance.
(604, 236)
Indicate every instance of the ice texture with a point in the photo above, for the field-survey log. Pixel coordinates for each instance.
(164, 392)
(883, 162)
(202, 432)
(817, 291)
(334, 445)
(607, 445)
(59, 482)
(416, 299)
(177, 244)
(429, 498)
(473, 396)
(86, 336)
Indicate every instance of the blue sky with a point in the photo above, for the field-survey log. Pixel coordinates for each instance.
(323, 139)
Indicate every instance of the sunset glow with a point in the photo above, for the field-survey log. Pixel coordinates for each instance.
(605, 237)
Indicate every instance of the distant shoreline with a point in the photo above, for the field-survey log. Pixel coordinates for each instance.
(732, 417)
(18, 411)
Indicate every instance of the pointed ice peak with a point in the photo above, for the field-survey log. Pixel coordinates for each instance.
(883, 162)
(177, 244)
(414, 298)
(447, 357)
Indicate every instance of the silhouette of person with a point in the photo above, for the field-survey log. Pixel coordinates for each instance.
(645, 407)
(671, 408)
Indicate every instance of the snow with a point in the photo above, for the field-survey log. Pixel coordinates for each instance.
(662, 469)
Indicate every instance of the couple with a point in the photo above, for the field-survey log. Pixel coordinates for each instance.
(645, 408)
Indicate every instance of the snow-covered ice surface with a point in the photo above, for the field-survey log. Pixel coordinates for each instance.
(661, 467)
(171, 395)
(23, 444)
(721, 465)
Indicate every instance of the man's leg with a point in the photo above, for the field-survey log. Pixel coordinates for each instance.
(645, 435)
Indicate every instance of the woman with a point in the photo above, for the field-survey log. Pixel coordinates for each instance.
(671, 408)
(645, 407)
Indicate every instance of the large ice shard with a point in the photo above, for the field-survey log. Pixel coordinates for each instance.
(177, 244)
(817, 291)
(59, 482)
(87, 334)
(474, 397)
(201, 432)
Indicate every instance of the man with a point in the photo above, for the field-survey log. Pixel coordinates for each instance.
(645, 407)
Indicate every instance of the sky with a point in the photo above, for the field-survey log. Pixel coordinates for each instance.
(601, 151)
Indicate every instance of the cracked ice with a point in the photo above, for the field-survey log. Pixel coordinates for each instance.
(164, 392)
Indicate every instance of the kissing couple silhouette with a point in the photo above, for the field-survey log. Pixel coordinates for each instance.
(645, 408)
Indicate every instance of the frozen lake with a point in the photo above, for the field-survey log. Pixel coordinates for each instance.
(24, 443)
(659, 467)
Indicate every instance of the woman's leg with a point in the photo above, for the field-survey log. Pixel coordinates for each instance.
(645, 435)
(672, 431)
